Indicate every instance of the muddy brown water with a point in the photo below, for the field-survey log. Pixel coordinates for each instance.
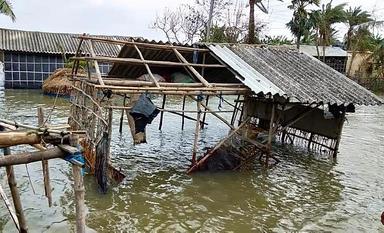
(304, 192)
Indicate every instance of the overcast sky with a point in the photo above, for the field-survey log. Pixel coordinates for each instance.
(133, 18)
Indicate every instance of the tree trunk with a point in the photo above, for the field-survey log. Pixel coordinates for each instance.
(251, 25)
(298, 37)
(351, 63)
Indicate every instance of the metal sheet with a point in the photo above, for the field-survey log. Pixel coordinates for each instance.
(295, 74)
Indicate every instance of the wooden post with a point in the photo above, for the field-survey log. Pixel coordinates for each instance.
(162, 113)
(310, 141)
(15, 195)
(235, 110)
(182, 119)
(79, 191)
(45, 165)
(122, 116)
(197, 131)
(336, 149)
(270, 133)
(205, 112)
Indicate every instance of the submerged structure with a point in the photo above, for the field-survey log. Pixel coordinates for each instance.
(280, 93)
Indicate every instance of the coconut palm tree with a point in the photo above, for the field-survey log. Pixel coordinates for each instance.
(300, 24)
(251, 24)
(6, 9)
(323, 21)
(355, 17)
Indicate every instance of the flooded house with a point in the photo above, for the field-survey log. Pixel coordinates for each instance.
(335, 57)
(278, 95)
(29, 57)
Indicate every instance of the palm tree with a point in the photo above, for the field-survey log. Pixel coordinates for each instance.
(251, 24)
(355, 17)
(300, 24)
(6, 9)
(324, 19)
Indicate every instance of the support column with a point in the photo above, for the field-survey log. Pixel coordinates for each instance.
(15, 195)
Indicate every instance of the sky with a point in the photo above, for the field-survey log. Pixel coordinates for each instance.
(134, 18)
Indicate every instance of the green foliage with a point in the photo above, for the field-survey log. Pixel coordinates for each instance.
(355, 17)
(324, 19)
(300, 25)
(6, 9)
(276, 40)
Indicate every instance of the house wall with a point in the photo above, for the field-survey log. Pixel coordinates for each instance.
(337, 63)
(357, 66)
(29, 70)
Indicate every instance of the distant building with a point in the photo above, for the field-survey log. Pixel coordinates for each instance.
(30, 57)
(335, 57)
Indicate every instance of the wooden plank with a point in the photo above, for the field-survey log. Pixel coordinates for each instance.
(190, 67)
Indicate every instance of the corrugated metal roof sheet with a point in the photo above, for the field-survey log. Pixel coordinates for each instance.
(329, 51)
(248, 75)
(297, 74)
(47, 42)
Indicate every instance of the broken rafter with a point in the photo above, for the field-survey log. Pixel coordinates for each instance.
(190, 67)
(218, 145)
(147, 67)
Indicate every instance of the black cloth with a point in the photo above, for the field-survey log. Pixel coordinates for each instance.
(143, 112)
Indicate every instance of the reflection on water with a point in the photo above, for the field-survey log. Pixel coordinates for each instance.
(303, 192)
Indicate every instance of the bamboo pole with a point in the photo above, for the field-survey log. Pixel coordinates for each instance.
(95, 63)
(172, 88)
(10, 208)
(205, 112)
(218, 145)
(270, 134)
(18, 138)
(162, 112)
(176, 92)
(124, 81)
(31, 157)
(79, 192)
(197, 131)
(142, 44)
(147, 67)
(215, 114)
(45, 165)
(336, 149)
(122, 116)
(15, 194)
(118, 60)
(183, 115)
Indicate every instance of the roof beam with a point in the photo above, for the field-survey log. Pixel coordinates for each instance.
(193, 70)
(147, 67)
(143, 44)
(149, 62)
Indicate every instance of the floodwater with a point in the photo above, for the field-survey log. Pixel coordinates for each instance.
(302, 193)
